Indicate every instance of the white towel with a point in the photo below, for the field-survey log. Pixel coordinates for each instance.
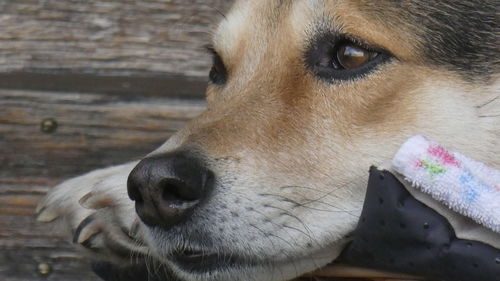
(468, 187)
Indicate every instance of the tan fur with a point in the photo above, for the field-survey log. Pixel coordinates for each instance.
(275, 129)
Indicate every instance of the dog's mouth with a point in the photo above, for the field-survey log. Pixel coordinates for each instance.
(200, 261)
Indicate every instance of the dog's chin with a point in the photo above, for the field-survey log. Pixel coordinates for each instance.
(226, 267)
(191, 264)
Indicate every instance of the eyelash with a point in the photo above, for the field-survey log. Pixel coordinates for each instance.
(210, 49)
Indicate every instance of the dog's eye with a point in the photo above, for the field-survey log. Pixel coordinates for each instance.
(218, 72)
(351, 56)
(332, 58)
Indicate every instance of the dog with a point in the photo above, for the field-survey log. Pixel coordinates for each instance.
(268, 183)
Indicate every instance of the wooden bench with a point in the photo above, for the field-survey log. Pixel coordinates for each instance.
(84, 85)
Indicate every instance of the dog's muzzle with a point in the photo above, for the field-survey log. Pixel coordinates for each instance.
(396, 233)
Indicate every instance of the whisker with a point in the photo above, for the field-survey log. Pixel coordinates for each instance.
(272, 244)
(488, 102)
(308, 233)
(219, 11)
(280, 226)
(489, 116)
(303, 205)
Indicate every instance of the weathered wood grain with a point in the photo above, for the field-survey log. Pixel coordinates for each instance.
(162, 85)
(94, 130)
(118, 77)
(111, 36)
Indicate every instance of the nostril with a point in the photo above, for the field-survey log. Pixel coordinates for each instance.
(177, 192)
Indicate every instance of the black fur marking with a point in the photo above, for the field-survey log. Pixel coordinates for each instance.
(460, 35)
(463, 34)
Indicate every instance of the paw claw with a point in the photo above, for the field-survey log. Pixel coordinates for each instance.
(85, 230)
(84, 200)
(40, 207)
(90, 201)
(89, 241)
(94, 208)
(47, 215)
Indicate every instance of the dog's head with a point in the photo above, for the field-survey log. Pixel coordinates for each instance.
(304, 96)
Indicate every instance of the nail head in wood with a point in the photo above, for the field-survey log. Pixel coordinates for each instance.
(48, 125)
(44, 268)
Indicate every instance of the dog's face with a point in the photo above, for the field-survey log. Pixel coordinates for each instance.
(304, 97)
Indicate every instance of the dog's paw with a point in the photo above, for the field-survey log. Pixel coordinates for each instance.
(96, 209)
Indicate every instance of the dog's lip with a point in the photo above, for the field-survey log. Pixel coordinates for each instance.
(340, 271)
(199, 261)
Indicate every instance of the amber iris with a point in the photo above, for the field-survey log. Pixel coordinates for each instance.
(352, 56)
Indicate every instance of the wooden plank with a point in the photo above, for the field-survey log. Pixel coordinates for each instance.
(63, 265)
(111, 74)
(93, 130)
(99, 130)
(130, 87)
(112, 36)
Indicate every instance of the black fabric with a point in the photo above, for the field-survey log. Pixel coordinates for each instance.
(398, 233)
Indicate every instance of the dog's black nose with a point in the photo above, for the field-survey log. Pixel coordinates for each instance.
(167, 188)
